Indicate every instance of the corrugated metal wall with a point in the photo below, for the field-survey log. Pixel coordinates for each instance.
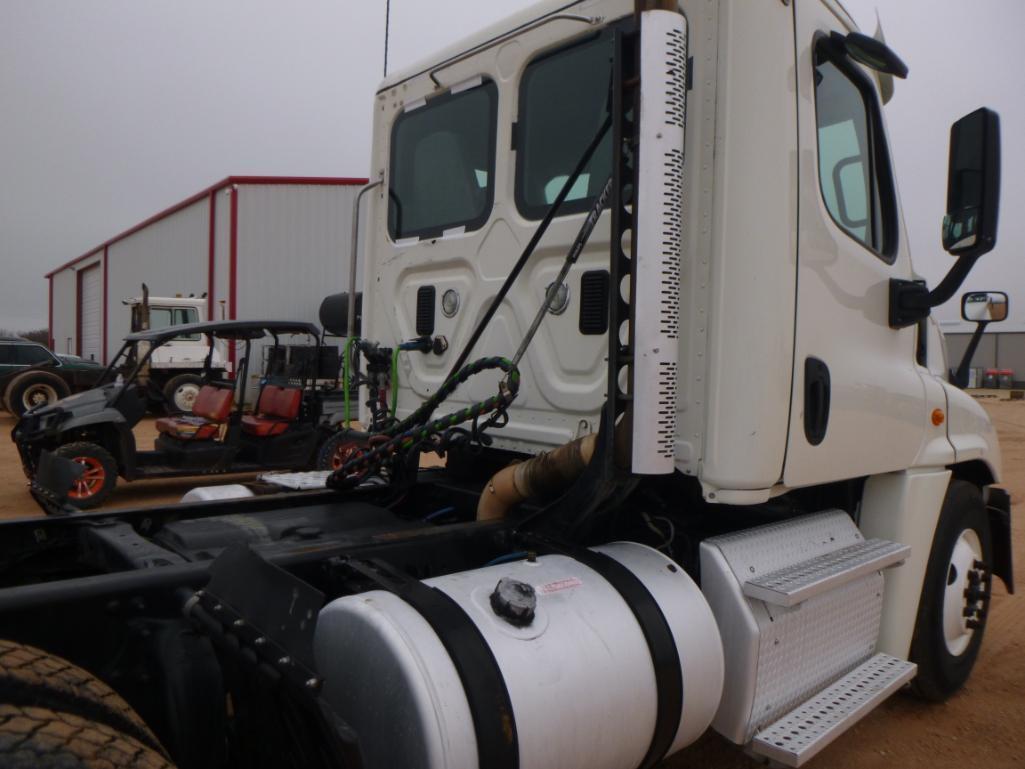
(292, 245)
(1001, 350)
(170, 256)
(293, 250)
(64, 309)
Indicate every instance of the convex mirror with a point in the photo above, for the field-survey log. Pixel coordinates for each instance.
(984, 306)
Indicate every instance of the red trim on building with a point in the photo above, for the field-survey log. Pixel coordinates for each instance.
(49, 319)
(316, 181)
(233, 269)
(103, 347)
(211, 257)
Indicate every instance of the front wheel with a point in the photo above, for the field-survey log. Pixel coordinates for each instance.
(180, 393)
(955, 595)
(93, 487)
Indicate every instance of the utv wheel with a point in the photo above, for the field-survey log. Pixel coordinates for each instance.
(955, 595)
(32, 677)
(181, 391)
(337, 450)
(100, 476)
(39, 738)
(34, 388)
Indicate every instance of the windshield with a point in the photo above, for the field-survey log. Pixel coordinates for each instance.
(162, 317)
(442, 164)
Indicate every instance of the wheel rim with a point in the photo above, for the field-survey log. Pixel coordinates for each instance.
(343, 453)
(38, 395)
(91, 481)
(958, 598)
(185, 396)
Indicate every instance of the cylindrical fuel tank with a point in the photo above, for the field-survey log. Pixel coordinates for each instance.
(579, 674)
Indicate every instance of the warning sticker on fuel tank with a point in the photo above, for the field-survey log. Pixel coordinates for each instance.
(561, 584)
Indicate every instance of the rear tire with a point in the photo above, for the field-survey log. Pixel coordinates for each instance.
(39, 738)
(33, 677)
(34, 388)
(180, 393)
(337, 450)
(100, 477)
(946, 641)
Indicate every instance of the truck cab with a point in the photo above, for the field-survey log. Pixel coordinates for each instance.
(177, 366)
(722, 480)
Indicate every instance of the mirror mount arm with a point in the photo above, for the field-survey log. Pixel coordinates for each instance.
(959, 378)
(911, 300)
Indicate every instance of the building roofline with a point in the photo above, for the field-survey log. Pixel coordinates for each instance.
(312, 181)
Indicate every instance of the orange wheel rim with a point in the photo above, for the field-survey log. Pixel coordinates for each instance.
(343, 454)
(91, 481)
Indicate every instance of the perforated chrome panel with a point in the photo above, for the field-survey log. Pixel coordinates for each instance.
(777, 657)
(659, 239)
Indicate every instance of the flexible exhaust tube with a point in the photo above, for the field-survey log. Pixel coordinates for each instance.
(540, 477)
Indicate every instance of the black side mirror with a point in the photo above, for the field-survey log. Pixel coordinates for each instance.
(984, 306)
(873, 53)
(973, 184)
(970, 225)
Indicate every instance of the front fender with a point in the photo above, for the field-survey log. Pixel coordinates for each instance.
(971, 431)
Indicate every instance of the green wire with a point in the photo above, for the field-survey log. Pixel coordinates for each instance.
(345, 375)
(394, 380)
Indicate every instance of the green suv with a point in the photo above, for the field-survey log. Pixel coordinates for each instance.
(31, 375)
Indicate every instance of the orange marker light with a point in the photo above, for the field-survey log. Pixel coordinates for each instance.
(937, 417)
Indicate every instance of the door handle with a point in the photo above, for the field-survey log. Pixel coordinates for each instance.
(816, 400)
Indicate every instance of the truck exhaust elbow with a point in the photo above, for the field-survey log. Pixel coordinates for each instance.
(539, 477)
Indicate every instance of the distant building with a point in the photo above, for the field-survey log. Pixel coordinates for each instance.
(258, 247)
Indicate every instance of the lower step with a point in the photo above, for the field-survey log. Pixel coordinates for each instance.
(811, 726)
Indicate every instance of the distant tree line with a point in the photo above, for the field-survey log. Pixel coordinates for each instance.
(40, 335)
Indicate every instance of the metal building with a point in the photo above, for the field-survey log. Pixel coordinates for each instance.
(258, 247)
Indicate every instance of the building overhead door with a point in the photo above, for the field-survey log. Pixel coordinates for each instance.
(90, 313)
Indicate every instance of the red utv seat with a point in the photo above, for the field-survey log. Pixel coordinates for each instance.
(209, 411)
(277, 408)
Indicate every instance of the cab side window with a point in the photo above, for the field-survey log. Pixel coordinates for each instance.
(854, 166)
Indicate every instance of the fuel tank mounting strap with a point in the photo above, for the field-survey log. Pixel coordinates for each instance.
(664, 655)
(486, 693)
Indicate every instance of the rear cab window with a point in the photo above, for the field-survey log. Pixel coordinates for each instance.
(442, 167)
(854, 166)
(564, 100)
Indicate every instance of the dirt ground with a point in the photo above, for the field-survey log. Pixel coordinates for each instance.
(982, 727)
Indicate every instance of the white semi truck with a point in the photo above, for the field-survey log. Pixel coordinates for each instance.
(722, 480)
(176, 368)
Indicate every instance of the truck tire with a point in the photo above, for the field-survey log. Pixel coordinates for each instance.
(30, 676)
(99, 479)
(957, 580)
(39, 738)
(34, 388)
(337, 450)
(180, 393)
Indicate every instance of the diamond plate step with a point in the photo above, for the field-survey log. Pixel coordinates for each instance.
(811, 726)
(791, 585)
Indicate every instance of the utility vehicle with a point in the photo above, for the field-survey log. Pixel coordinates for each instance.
(692, 407)
(292, 417)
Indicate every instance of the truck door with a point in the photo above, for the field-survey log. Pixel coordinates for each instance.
(857, 403)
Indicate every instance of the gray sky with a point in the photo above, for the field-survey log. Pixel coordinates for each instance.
(111, 110)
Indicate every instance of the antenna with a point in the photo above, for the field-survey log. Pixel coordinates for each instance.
(387, 19)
